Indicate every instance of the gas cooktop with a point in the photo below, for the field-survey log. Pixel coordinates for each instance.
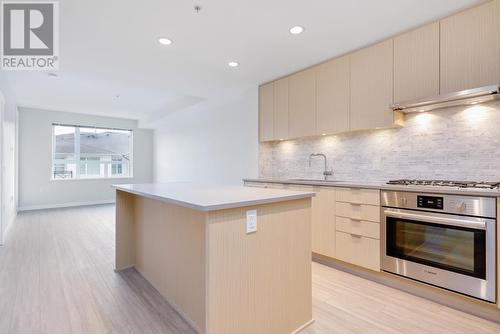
(445, 183)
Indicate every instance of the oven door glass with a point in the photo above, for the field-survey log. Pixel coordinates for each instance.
(453, 248)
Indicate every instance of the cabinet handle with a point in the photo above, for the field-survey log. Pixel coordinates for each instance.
(356, 235)
(356, 203)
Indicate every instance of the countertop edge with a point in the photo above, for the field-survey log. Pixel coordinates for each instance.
(383, 186)
(222, 206)
(339, 184)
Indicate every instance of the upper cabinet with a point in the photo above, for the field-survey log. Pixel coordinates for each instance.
(416, 64)
(332, 96)
(470, 48)
(281, 109)
(372, 87)
(266, 112)
(497, 15)
(302, 104)
(354, 92)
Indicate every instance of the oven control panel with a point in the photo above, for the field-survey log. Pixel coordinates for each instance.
(430, 202)
(475, 206)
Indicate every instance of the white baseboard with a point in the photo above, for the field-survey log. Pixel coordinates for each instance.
(63, 205)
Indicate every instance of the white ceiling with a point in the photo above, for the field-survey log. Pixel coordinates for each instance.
(110, 48)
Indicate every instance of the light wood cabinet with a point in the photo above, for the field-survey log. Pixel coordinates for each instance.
(323, 218)
(358, 211)
(497, 15)
(416, 64)
(302, 104)
(266, 112)
(332, 96)
(281, 109)
(354, 92)
(358, 227)
(323, 221)
(469, 48)
(372, 87)
(345, 223)
(358, 250)
(358, 196)
(498, 238)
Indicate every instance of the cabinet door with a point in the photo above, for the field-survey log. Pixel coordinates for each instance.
(323, 221)
(469, 46)
(497, 15)
(266, 112)
(302, 104)
(416, 64)
(281, 109)
(332, 96)
(358, 250)
(372, 87)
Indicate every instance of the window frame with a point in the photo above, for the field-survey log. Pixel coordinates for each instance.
(108, 175)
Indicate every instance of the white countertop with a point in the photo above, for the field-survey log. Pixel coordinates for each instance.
(206, 197)
(384, 186)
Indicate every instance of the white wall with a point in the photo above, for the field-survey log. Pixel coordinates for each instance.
(2, 111)
(219, 145)
(38, 190)
(8, 160)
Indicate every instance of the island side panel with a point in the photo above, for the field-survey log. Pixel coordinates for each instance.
(170, 254)
(259, 282)
(124, 231)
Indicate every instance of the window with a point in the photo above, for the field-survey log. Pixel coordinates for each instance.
(87, 152)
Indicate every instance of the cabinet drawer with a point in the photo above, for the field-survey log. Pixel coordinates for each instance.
(359, 196)
(358, 211)
(361, 251)
(358, 227)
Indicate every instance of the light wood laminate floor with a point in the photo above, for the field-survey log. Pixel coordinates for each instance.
(56, 276)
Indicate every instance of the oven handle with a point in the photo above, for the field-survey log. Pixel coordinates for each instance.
(474, 224)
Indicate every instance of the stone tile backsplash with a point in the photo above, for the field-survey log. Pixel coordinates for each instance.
(460, 143)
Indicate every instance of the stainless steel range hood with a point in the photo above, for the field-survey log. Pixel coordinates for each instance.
(469, 96)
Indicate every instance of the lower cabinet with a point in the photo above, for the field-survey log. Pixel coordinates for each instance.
(358, 227)
(357, 235)
(345, 223)
(358, 211)
(358, 250)
(323, 221)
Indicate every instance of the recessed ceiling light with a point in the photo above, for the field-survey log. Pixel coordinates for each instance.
(164, 41)
(296, 30)
(52, 75)
(233, 64)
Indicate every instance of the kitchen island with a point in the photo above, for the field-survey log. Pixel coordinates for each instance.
(230, 259)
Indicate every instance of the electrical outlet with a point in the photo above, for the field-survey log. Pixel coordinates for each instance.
(251, 221)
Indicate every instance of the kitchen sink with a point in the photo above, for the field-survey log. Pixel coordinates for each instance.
(314, 180)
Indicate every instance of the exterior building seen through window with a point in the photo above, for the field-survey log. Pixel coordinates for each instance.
(87, 152)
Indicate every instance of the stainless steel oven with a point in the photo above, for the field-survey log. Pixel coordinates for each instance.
(443, 240)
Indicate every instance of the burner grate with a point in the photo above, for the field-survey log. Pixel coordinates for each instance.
(446, 183)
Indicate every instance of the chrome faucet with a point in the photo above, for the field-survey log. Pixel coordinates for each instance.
(326, 172)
